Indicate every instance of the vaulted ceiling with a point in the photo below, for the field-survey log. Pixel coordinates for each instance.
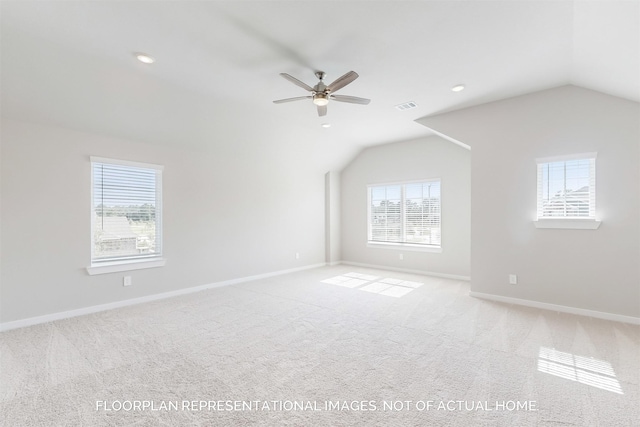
(217, 64)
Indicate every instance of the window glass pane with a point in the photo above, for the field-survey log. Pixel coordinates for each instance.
(385, 223)
(125, 210)
(423, 215)
(414, 191)
(409, 213)
(378, 193)
(393, 192)
(394, 221)
(567, 189)
(543, 170)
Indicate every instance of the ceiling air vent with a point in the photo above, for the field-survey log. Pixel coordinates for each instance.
(406, 106)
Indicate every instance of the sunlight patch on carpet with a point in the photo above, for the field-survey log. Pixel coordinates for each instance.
(585, 370)
(362, 276)
(389, 286)
(346, 281)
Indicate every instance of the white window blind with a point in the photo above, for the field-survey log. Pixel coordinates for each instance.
(406, 213)
(567, 188)
(126, 211)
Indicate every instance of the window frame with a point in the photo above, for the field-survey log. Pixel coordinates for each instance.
(405, 246)
(128, 263)
(568, 222)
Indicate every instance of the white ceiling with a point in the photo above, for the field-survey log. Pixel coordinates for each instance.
(71, 64)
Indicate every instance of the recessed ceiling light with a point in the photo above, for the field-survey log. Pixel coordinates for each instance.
(326, 125)
(457, 88)
(143, 57)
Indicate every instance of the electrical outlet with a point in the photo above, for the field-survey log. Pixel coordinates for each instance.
(513, 279)
(126, 281)
(401, 257)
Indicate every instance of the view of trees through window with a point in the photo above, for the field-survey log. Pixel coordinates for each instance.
(125, 211)
(405, 213)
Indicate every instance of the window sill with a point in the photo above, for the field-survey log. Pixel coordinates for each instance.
(114, 267)
(568, 223)
(405, 247)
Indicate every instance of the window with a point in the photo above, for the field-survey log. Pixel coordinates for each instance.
(405, 214)
(567, 192)
(126, 215)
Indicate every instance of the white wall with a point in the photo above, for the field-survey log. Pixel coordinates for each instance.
(228, 213)
(588, 269)
(425, 158)
(332, 217)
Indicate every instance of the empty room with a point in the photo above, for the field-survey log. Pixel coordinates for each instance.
(320, 213)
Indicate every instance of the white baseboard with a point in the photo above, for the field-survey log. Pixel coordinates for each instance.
(560, 308)
(117, 304)
(332, 263)
(407, 270)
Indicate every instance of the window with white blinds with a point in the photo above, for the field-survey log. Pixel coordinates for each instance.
(405, 213)
(126, 211)
(567, 187)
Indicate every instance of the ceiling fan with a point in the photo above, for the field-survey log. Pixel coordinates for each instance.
(322, 93)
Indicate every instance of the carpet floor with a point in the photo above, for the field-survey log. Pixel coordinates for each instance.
(333, 346)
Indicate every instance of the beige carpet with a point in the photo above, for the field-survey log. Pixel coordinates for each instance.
(323, 353)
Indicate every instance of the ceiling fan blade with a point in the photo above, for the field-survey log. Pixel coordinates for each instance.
(297, 98)
(350, 99)
(322, 110)
(297, 82)
(341, 82)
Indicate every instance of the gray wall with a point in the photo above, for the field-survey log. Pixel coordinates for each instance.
(431, 157)
(332, 218)
(227, 214)
(590, 269)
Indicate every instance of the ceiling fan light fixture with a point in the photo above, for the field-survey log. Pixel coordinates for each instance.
(320, 99)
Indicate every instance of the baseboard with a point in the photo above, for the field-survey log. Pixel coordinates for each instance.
(118, 304)
(560, 308)
(407, 270)
(333, 263)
